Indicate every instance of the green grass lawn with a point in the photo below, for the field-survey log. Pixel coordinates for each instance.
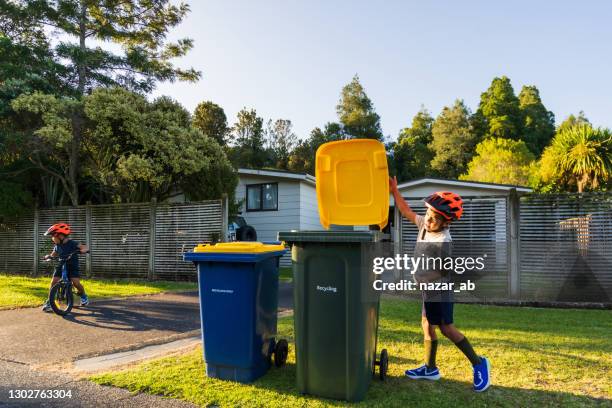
(23, 291)
(285, 274)
(540, 357)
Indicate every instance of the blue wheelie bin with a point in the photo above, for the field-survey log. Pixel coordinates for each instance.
(238, 284)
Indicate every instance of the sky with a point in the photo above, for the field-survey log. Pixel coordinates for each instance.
(290, 59)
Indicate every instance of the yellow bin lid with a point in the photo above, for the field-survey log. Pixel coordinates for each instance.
(239, 247)
(353, 183)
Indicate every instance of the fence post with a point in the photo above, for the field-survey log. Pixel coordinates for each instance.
(88, 237)
(35, 233)
(224, 217)
(152, 217)
(514, 218)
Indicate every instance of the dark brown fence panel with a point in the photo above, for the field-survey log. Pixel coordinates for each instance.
(178, 228)
(17, 246)
(120, 241)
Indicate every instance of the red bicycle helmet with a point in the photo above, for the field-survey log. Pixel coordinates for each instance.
(447, 204)
(60, 228)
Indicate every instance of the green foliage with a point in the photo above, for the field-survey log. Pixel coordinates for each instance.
(302, 158)
(532, 342)
(453, 140)
(357, 119)
(48, 64)
(211, 120)
(247, 147)
(17, 291)
(538, 123)
(579, 157)
(133, 150)
(412, 155)
(140, 27)
(281, 141)
(14, 200)
(138, 150)
(499, 112)
(502, 161)
(51, 146)
(356, 113)
(572, 121)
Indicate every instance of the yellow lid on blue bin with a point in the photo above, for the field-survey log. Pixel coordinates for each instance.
(240, 247)
(353, 183)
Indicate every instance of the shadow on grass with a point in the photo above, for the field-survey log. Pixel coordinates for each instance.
(38, 292)
(402, 391)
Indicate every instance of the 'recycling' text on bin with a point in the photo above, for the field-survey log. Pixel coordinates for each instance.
(327, 289)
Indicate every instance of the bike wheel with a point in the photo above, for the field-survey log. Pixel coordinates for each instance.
(61, 298)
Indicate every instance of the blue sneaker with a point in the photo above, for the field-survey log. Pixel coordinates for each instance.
(84, 300)
(482, 373)
(424, 373)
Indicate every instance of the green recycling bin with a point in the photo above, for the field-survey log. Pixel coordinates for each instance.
(335, 311)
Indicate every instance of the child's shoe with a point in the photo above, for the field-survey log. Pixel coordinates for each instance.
(84, 300)
(46, 307)
(482, 373)
(424, 373)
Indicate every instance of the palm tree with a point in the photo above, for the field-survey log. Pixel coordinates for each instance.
(580, 154)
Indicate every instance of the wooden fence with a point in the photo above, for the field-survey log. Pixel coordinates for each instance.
(144, 240)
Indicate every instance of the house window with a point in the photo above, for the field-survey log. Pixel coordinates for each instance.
(262, 197)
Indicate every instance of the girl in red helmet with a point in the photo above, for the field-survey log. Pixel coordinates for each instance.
(443, 208)
(64, 246)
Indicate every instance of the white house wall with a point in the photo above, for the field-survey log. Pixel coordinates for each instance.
(269, 223)
(309, 209)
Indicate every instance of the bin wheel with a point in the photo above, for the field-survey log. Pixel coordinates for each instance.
(383, 364)
(271, 350)
(281, 351)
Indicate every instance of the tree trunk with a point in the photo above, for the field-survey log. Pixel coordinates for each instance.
(77, 121)
(81, 68)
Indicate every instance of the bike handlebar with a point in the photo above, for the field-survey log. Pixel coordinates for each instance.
(65, 259)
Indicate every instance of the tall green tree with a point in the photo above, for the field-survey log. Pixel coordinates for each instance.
(302, 158)
(500, 160)
(453, 140)
(412, 155)
(573, 120)
(50, 147)
(28, 64)
(498, 113)
(247, 148)
(138, 27)
(281, 140)
(579, 157)
(538, 122)
(134, 150)
(356, 113)
(211, 120)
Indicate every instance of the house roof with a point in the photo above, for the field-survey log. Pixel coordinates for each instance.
(468, 184)
(281, 174)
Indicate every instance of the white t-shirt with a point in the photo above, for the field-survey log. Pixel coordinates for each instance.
(426, 236)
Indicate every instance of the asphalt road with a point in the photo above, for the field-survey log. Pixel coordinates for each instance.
(35, 347)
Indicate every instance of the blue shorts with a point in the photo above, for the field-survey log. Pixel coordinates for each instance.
(438, 312)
